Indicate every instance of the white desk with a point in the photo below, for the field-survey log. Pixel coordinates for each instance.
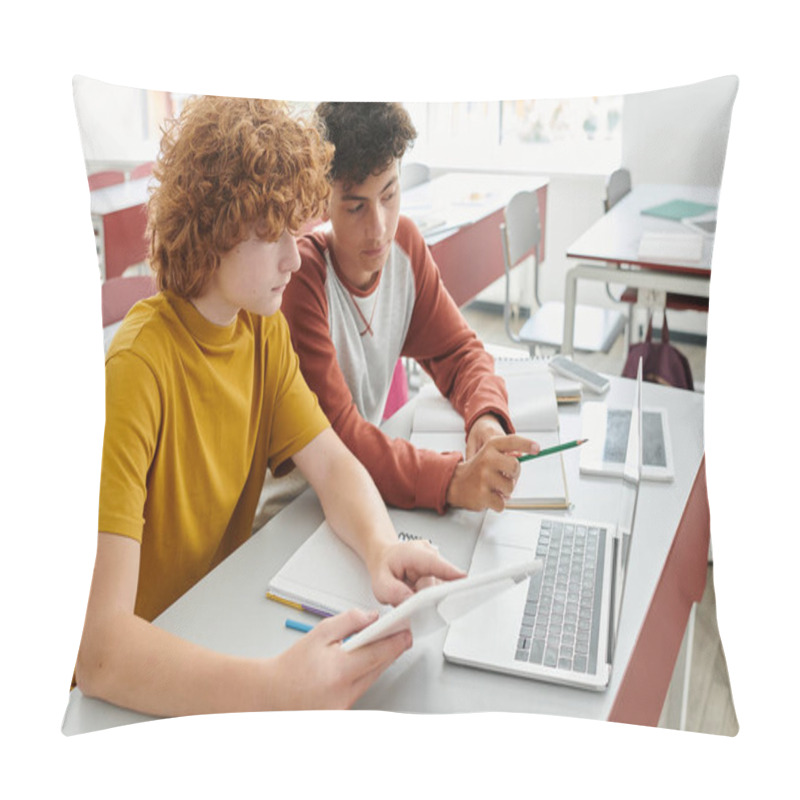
(228, 611)
(613, 241)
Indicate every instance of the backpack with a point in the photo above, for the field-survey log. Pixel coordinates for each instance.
(661, 362)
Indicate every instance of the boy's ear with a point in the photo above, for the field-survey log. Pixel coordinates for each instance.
(326, 214)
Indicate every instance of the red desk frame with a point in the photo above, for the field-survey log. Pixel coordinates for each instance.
(641, 695)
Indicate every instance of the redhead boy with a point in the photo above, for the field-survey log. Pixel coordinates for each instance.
(368, 292)
(203, 395)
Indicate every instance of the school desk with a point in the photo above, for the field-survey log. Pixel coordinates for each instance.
(228, 611)
(459, 214)
(612, 243)
(119, 218)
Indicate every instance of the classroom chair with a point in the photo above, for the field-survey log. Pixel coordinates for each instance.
(413, 173)
(119, 294)
(596, 329)
(398, 390)
(124, 240)
(617, 186)
(109, 177)
(142, 171)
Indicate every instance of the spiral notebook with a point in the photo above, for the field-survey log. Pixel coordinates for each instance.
(325, 576)
(532, 403)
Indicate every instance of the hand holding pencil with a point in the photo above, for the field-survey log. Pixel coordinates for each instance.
(555, 449)
(487, 479)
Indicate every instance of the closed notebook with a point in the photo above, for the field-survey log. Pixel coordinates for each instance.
(677, 209)
(532, 403)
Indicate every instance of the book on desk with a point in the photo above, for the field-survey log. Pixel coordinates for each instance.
(678, 209)
(507, 367)
(324, 577)
(532, 403)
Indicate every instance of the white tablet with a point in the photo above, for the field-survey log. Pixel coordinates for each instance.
(429, 609)
(607, 431)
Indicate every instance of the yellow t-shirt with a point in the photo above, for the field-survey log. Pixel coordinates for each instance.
(195, 414)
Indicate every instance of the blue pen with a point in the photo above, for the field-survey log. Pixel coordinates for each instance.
(302, 627)
(298, 626)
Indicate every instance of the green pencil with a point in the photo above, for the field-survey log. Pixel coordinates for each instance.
(548, 450)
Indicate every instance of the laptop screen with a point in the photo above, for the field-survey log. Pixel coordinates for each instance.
(629, 495)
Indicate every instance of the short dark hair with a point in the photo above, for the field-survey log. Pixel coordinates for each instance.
(367, 137)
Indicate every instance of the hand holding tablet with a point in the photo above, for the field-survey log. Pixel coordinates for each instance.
(431, 608)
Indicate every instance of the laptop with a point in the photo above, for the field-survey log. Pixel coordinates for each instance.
(560, 625)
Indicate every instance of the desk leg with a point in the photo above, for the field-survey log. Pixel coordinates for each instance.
(642, 279)
(570, 293)
(687, 667)
(676, 704)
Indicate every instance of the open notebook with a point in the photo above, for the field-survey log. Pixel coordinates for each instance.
(508, 363)
(325, 577)
(532, 402)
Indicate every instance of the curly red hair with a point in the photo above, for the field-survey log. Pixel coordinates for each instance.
(229, 166)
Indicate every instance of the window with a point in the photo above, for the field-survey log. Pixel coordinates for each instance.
(582, 135)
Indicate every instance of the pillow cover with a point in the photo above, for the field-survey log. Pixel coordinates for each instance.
(661, 139)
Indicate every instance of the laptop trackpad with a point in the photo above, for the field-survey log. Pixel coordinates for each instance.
(504, 539)
(512, 528)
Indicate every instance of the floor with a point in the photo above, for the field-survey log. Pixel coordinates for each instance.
(709, 708)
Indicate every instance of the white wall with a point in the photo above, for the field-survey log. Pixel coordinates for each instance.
(115, 125)
(678, 135)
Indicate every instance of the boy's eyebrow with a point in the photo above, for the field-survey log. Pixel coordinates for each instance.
(351, 196)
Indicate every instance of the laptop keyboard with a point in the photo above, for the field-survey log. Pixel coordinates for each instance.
(561, 620)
